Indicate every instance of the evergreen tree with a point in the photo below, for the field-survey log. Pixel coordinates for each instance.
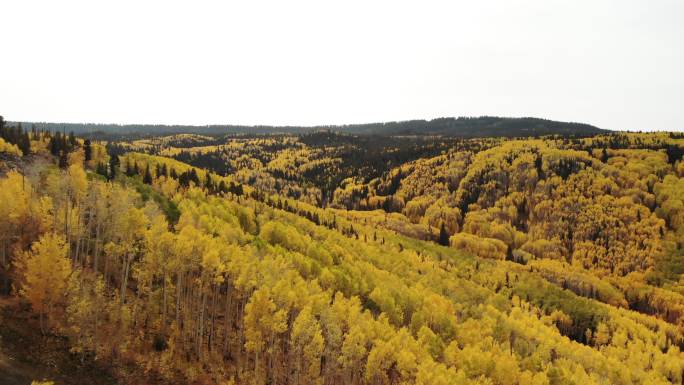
(113, 165)
(63, 161)
(24, 143)
(208, 184)
(443, 236)
(55, 144)
(63, 145)
(192, 176)
(72, 139)
(222, 187)
(102, 169)
(87, 150)
(129, 168)
(147, 178)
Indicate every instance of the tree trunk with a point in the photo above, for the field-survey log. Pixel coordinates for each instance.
(200, 326)
(164, 296)
(227, 320)
(124, 278)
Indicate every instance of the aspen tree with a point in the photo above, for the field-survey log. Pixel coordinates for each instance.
(46, 269)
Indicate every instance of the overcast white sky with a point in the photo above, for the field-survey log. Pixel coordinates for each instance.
(615, 64)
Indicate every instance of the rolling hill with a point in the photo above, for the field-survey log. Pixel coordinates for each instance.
(486, 126)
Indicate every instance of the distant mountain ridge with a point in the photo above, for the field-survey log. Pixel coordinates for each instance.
(463, 126)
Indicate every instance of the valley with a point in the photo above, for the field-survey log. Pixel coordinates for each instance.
(331, 257)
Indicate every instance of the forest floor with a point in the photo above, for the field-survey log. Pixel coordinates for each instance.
(27, 355)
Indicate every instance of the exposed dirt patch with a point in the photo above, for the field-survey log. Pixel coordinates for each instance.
(27, 355)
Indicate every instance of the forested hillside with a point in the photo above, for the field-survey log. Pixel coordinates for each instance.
(461, 127)
(552, 260)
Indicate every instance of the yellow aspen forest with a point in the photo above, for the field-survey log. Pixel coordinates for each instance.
(353, 192)
(532, 260)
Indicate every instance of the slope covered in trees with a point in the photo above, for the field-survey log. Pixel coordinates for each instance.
(560, 265)
(463, 127)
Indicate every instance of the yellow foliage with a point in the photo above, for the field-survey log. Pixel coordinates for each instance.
(482, 247)
(45, 269)
(9, 148)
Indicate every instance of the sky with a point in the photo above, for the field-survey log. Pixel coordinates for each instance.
(615, 64)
